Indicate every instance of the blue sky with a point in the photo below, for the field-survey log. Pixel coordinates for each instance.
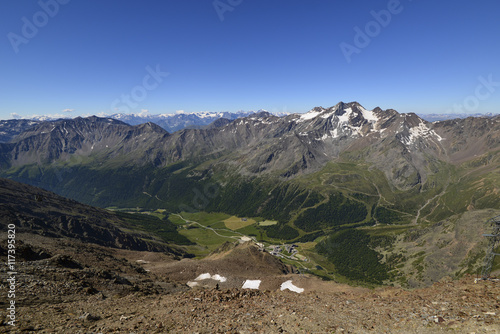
(94, 57)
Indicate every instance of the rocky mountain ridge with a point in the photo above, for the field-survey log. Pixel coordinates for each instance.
(264, 143)
(408, 150)
(170, 122)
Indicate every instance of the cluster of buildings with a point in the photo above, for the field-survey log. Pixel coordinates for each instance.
(291, 249)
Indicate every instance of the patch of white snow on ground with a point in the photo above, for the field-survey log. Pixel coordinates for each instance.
(251, 284)
(289, 285)
(219, 278)
(215, 277)
(203, 276)
(192, 284)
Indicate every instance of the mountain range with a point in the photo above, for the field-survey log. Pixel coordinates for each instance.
(178, 121)
(392, 176)
(170, 122)
(446, 116)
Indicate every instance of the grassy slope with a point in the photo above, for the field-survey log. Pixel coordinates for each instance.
(448, 194)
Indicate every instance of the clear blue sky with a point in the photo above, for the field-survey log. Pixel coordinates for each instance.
(275, 55)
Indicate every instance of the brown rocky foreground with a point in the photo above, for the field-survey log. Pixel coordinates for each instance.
(70, 287)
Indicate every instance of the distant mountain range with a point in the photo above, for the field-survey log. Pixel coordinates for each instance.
(408, 151)
(179, 121)
(316, 173)
(444, 117)
(169, 122)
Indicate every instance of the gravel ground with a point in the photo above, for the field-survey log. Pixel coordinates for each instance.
(91, 289)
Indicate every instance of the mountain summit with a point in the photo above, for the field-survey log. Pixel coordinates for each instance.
(403, 146)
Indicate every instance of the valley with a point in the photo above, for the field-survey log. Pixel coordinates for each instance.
(343, 207)
(211, 232)
(240, 167)
(412, 256)
(313, 179)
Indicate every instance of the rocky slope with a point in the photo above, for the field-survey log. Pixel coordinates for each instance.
(34, 210)
(78, 288)
(13, 127)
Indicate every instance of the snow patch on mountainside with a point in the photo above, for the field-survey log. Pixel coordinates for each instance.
(342, 124)
(251, 284)
(345, 117)
(309, 115)
(215, 277)
(290, 286)
(368, 114)
(420, 131)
